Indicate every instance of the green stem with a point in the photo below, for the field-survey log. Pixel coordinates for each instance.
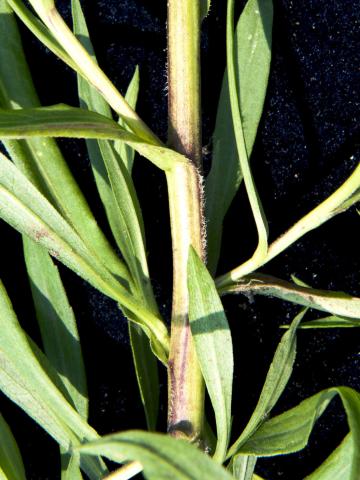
(186, 385)
(184, 78)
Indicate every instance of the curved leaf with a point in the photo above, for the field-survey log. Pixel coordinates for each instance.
(338, 464)
(275, 383)
(111, 164)
(338, 303)
(64, 121)
(11, 464)
(290, 431)
(23, 207)
(24, 380)
(40, 159)
(252, 44)
(161, 456)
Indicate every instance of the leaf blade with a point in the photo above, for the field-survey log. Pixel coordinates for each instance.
(11, 464)
(338, 303)
(275, 383)
(162, 457)
(69, 122)
(252, 66)
(111, 166)
(290, 431)
(23, 207)
(212, 338)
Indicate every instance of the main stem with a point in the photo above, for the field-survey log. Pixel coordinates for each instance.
(186, 385)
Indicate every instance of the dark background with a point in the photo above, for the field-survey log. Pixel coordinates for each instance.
(307, 144)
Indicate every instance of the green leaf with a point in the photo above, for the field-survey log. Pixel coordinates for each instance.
(69, 122)
(57, 323)
(213, 344)
(85, 66)
(38, 29)
(204, 8)
(338, 464)
(146, 374)
(338, 303)
(125, 152)
(11, 464)
(331, 206)
(112, 168)
(275, 383)
(161, 456)
(332, 322)
(242, 467)
(252, 44)
(24, 380)
(24, 208)
(70, 467)
(290, 431)
(39, 158)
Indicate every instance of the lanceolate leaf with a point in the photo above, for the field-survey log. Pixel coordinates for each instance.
(275, 383)
(23, 207)
(39, 158)
(338, 303)
(332, 322)
(161, 456)
(112, 172)
(24, 381)
(213, 343)
(243, 467)
(57, 323)
(39, 30)
(11, 464)
(338, 464)
(64, 121)
(290, 431)
(252, 65)
(125, 152)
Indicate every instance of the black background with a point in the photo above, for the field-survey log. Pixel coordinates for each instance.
(307, 144)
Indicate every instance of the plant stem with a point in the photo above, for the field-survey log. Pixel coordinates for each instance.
(186, 385)
(184, 78)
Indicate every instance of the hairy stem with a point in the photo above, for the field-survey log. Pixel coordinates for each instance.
(186, 385)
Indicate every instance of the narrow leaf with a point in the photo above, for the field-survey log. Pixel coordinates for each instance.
(23, 207)
(161, 456)
(39, 30)
(64, 121)
(332, 322)
(11, 464)
(24, 381)
(57, 323)
(40, 159)
(252, 44)
(112, 173)
(146, 374)
(254, 200)
(275, 383)
(213, 344)
(338, 303)
(338, 464)
(70, 467)
(125, 152)
(342, 198)
(243, 467)
(290, 431)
